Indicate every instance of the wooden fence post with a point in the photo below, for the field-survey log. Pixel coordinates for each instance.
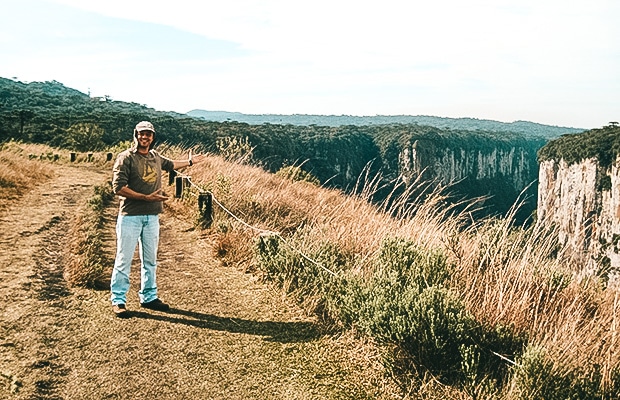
(179, 187)
(205, 206)
(171, 175)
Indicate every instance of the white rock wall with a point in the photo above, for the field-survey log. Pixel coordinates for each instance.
(587, 217)
(452, 165)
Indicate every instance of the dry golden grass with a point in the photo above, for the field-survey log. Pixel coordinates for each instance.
(24, 165)
(505, 275)
(19, 173)
(271, 203)
(228, 336)
(88, 260)
(518, 282)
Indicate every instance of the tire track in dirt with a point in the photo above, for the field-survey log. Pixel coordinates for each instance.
(32, 289)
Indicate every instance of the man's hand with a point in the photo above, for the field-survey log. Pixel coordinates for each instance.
(157, 195)
(197, 158)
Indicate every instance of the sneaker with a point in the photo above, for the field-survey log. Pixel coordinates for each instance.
(156, 304)
(120, 310)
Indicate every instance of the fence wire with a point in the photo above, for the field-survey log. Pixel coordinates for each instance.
(265, 232)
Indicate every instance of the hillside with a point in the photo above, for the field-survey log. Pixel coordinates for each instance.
(578, 194)
(529, 129)
(602, 144)
(228, 335)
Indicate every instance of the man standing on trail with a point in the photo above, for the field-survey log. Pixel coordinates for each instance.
(137, 181)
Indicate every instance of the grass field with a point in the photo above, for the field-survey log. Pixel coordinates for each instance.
(457, 308)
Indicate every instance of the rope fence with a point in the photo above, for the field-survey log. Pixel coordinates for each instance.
(205, 206)
(180, 179)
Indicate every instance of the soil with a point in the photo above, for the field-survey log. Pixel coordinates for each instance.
(228, 335)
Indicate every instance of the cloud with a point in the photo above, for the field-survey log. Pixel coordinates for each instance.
(502, 59)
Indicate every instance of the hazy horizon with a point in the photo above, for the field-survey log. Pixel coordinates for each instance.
(547, 62)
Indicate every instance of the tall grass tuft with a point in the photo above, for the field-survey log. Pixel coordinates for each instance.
(87, 261)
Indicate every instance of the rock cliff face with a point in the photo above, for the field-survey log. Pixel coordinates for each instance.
(583, 200)
(501, 170)
(472, 163)
(516, 165)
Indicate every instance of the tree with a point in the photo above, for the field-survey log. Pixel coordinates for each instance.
(85, 137)
(24, 116)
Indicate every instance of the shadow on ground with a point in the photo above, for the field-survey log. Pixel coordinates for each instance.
(282, 332)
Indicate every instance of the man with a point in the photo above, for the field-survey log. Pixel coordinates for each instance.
(137, 181)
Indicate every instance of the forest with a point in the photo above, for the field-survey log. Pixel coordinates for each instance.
(602, 144)
(53, 114)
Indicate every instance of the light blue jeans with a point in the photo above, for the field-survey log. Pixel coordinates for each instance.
(132, 230)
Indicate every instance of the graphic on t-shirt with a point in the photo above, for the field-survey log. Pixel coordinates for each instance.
(149, 175)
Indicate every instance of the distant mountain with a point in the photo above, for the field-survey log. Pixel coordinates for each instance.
(529, 129)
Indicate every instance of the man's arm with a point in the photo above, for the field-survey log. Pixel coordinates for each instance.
(181, 163)
(191, 160)
(157, 195)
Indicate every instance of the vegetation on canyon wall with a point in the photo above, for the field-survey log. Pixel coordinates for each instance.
(50, 113)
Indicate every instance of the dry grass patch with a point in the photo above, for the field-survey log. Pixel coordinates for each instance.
(528, 323)
(19, 173)
(88, 262)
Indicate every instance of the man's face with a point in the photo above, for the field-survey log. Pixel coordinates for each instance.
(145, 138)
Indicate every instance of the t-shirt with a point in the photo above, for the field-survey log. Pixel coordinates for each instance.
(142, 174)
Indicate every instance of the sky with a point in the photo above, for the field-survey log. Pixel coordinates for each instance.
(554, 62)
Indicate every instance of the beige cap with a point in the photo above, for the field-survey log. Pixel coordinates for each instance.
(145, 126)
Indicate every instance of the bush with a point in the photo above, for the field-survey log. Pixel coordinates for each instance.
(405, 305)
(310, 281)
(539, 376)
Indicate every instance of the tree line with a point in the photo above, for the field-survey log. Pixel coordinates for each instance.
(50, 113)
(602, 144)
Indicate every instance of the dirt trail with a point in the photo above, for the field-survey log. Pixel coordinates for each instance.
(226, 337)
(33, 296)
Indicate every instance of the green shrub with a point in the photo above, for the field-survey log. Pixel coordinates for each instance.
(102, 197)
(308, 280)
(406, 303)
(410, 266)
(538, 376)
(535, 378)
(497, 347)
(119, 147)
